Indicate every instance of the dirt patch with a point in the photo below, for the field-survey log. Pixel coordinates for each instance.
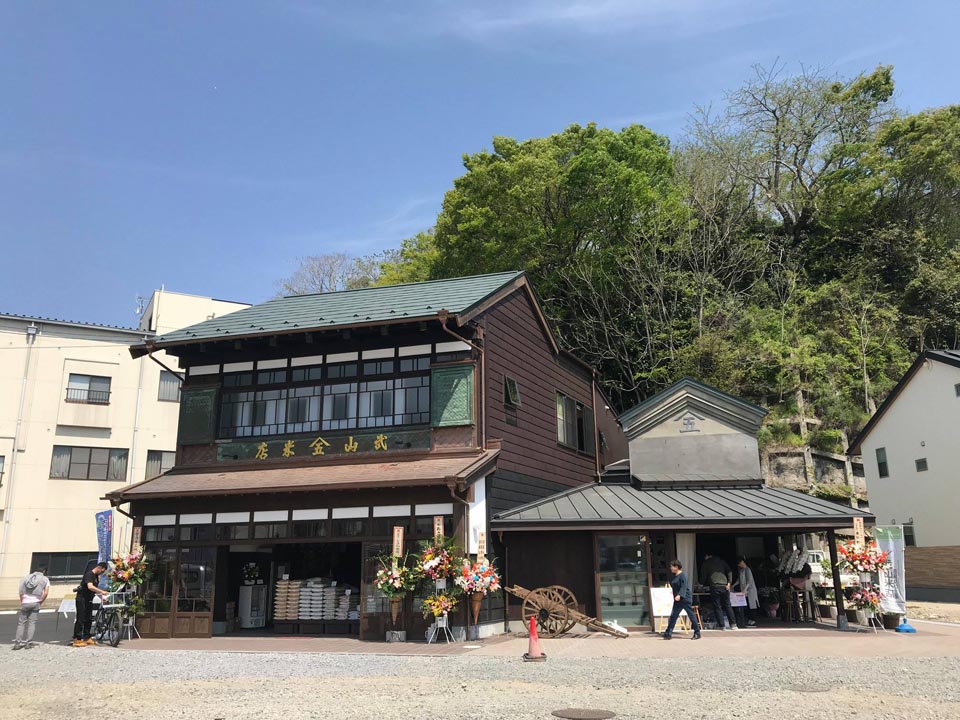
(943, 612)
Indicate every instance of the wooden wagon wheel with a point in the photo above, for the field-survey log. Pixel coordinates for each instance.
(570, 600)
(548, 608)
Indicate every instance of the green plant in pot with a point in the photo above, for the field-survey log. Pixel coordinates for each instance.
(770, 599)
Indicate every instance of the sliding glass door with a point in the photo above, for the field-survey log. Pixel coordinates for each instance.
(623, 574)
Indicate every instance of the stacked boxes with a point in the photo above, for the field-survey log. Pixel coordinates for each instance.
(286, 605)
(312, 600)
(315, 605)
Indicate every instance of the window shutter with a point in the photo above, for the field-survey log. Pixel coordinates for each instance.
(589, 432)
(570, 421)
(452, 396)
(198, 416)
(561, 428)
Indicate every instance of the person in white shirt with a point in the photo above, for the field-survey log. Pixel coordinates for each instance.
(33, 591)
(748, 586)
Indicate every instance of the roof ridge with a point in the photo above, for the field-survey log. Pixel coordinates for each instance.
(84, 323)
(512, 273)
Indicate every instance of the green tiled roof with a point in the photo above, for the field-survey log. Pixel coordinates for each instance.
(390, 303)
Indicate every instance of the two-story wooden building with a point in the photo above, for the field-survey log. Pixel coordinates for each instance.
(311, 426)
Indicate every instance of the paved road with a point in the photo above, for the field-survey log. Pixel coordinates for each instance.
(47, 628)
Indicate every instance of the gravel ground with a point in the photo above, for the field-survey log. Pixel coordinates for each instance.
(51, 682)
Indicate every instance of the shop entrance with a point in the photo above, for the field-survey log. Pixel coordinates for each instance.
(291, 589)
(623, 578)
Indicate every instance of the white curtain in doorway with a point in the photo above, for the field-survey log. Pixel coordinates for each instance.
(687, 554)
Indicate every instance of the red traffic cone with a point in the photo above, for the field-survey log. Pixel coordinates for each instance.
(533, 653)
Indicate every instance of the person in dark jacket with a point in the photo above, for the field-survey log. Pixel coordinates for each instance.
(88, 588)
(717, 575)
(682, 600)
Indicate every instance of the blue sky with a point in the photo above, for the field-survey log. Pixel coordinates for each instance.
(207, 145)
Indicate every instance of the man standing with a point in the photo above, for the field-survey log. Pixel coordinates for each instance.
(88, 588)
(33, 591)
(717, 575)
(682, 601)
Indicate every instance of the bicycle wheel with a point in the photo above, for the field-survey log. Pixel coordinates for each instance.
(114, 628)
(99, 629)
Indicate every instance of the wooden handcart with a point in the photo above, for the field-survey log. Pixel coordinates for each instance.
(555, 610)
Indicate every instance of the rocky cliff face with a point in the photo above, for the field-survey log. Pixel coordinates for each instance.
(808, 470)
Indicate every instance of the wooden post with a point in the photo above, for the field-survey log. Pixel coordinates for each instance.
(837, 587)
(504, 575)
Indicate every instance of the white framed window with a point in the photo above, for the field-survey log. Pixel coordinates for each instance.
(159, 461)
(511, 392)
(90, 389)
(169, 387)
(883, 469)
(575, 425)
(88, 463)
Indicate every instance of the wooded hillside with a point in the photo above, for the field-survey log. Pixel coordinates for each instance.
(797, 248)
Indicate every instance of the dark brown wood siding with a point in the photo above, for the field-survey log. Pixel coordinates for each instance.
(541, 559)
(507, 490)
(615, 446)
(517, 346)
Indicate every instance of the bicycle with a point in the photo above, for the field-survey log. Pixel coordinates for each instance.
(108, 622)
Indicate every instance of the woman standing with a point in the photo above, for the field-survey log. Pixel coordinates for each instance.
(748, 586)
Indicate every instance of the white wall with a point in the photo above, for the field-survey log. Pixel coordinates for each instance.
(922, 422)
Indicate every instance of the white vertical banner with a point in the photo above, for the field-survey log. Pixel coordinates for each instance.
(893, 582)
(478, 515)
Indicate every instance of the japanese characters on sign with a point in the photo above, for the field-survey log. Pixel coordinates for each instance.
(482, 546)
(858, 532)
(306, 447)
(437, 527)
(397, 540)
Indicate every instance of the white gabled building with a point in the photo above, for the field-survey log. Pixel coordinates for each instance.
(80, 417)
(911, 459)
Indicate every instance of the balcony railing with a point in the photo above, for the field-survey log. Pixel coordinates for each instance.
(90, 397)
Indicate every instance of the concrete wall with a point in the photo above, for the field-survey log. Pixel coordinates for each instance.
(923, 422)
(712, 448)
(932, 573)
(44, 514)
(169, 311)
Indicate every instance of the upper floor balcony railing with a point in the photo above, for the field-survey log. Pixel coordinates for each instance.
(90, 397)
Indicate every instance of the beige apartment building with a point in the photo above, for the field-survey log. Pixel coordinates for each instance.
(80, 418)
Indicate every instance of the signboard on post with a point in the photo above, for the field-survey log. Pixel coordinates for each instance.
(137, 534)
(437, 527)
(893, 583)
(661, 602)
(859, 536)
(397, 540)
(482, 546)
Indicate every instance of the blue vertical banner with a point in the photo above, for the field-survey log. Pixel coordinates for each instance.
(104, 540)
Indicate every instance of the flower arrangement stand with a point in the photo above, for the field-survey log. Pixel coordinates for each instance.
(870, 621)
(441, 622)
(130, 625)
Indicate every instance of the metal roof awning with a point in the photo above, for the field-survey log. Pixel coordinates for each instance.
(446, 470)
(612, 506)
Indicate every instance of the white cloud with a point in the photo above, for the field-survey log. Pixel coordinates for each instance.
(490, 21)
(410, 217)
